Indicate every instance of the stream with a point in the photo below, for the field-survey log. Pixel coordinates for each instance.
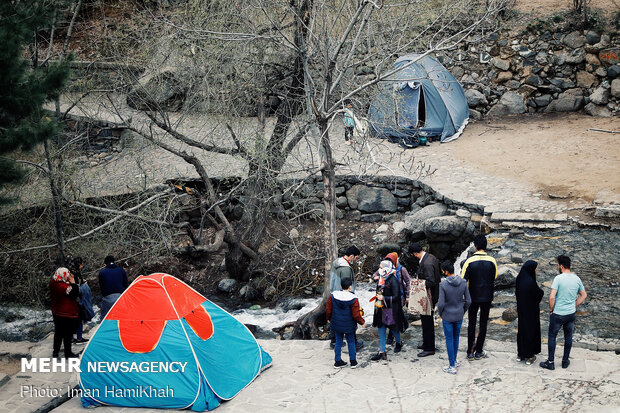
(596, 260)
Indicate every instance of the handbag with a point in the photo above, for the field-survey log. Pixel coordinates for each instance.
(420, 302)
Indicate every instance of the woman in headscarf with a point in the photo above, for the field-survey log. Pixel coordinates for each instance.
(64, 294)
(389, 310)
(529, 295)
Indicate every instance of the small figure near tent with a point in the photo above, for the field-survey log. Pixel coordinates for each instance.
(349, 123)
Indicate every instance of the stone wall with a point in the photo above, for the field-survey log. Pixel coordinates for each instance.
(547, 72)
(415, 210)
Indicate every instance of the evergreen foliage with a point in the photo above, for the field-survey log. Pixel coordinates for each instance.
(24, 86)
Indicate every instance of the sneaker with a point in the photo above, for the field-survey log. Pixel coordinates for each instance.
(457, 363)
(519, 359)
(478, 356)
(450, 369)
(332, 346)
(530, 361)
(81, 340)
(565, 364)
(72, 356)
(359, 344)
(339, 364)
(398, 347)
(549, 365)
(353, 364)
(379, 356)
(470, 357)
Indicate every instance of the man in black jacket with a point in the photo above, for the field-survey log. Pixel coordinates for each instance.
(430, 272)
(480, 270)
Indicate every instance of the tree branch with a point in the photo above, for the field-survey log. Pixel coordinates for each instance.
(92, 231)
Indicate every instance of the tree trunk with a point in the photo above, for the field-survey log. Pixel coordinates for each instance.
(56, 199)
(307, 326)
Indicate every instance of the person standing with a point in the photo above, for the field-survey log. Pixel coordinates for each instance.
(480, 271)
(64, 294)
(429, 271)
(402, 275)
(342, 268)
(343, 312)
(388, 309)
(85, 307)
(454, 300)
(112, 282)
(349, 123)
(528, 295)
(567, 293)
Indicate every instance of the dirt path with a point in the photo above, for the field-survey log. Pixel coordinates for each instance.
(553, 153)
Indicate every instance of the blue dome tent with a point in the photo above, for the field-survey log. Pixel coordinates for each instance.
(164, 345)
(421, 100)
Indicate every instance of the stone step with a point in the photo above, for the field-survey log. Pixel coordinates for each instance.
(531, 225)
(537, 217)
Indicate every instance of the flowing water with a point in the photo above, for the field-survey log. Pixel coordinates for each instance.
(596, 259)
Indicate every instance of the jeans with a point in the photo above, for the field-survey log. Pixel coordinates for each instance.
(350, 344)
(567, 322)
(383, 336)
(475, 345)
(80, 329)
(452, 330)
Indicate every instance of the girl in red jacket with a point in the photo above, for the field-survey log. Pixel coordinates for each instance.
(64, 293)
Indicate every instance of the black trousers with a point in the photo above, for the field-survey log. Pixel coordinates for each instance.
(428, 332)
(475, 345)
(64, 328)
(348, 133)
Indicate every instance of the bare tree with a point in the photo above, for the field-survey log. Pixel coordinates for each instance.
(298, 61)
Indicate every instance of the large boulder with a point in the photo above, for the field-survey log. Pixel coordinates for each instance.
(444, 229)
(475, 98)
(414, 223)
(227, 285)
(510, 103)
(510, 314)
(613, 71)
(158, 91)
(369, 199)
(506, 278)
(600, 96)
(570, 101)
(574, 40)
(574, 57)
(597, 111)
(593, 37)
(615, 88)
(501, 64)
(585, 79)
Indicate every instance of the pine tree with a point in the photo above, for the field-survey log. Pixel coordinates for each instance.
(24, 86)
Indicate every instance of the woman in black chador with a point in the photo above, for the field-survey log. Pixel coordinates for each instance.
(529, 296)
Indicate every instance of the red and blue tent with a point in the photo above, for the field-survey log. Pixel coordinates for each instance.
(164, 345)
